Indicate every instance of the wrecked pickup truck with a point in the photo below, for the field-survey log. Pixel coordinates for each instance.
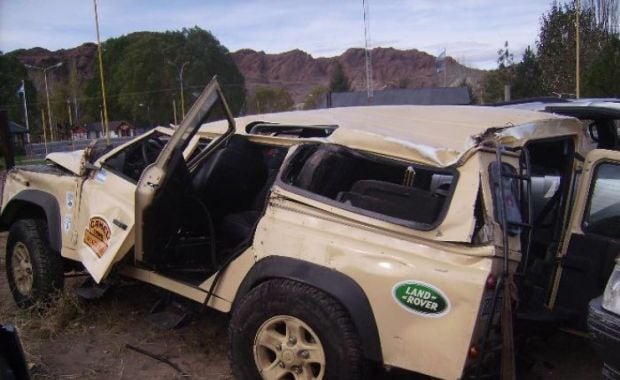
(336, 238)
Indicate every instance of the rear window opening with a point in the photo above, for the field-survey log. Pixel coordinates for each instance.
(290, 131)
(399, 192)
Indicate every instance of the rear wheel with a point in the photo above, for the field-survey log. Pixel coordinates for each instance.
(283, 329)
(34, 271)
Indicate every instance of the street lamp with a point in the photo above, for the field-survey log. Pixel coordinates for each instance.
(180, 70)
(47, 95)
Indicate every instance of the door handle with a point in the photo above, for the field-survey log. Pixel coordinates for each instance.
(119, 224)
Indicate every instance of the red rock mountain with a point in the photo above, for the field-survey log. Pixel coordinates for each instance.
(297, 71)
(81, 56)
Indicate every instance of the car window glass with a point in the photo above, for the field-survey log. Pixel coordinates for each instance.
(603, 212)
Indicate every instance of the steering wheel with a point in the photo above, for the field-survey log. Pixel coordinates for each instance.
(150, 150)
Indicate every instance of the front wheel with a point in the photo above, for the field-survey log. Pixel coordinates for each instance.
(283, 329)
(34, 271)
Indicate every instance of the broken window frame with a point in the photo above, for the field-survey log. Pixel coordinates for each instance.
(256, 127)
(107, 166)
(294, 154)
(587, 214)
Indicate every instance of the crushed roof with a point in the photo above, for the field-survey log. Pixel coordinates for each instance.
(399, 96)
(439, 135)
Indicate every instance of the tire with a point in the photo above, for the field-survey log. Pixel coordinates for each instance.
(279, 306)
(34, 271)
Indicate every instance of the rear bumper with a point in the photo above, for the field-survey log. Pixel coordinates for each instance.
(604, 328)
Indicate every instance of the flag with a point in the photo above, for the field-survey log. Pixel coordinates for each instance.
(440, 61)
(21, 91)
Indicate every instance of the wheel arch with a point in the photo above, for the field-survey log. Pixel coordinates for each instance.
(35, 203)
(338, 285)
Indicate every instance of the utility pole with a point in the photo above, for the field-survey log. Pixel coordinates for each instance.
(75, 109)
(180, 71)
(70, 123)
(23, 92)
(174, 109)
(578, 11)
(47, 94)
(367, 52)
(105, 106)
(44, 133)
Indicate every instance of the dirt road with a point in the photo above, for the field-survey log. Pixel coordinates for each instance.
(77, 340)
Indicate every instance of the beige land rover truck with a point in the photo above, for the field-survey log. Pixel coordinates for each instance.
(336, 237)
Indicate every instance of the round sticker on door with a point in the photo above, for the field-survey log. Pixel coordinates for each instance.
(97, 235)
(420, 298)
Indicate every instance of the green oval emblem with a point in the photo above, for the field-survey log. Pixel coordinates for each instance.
(421, 298)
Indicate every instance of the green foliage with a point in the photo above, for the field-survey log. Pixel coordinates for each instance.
(557, 46)
(527, 81)
(339, 81)
(495, 80)
(505, 59)
(552, 69)
(493, 87)
(11, 74)
(142, 75)
(603, 76)
(270, 99)
(315, 97)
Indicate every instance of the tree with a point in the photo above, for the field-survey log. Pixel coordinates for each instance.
(527, 81)
(495, 80)
(339, 81)
(556, 45)
(603, 76)
(270, 99)
(142, 75)
(315, 97)
(606, 14)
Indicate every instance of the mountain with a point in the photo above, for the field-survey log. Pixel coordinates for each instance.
(297, 71)
(81, 56)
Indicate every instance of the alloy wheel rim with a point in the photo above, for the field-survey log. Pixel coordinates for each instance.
(22, 268)
(285, 347)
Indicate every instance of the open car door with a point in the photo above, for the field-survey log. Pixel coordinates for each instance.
(163, 183)
(593, 240)
(103, 208)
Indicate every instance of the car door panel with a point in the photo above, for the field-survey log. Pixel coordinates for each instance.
(593, 241)
(106, 221)
(167, 178)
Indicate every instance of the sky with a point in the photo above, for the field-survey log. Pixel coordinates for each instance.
(471, 31)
